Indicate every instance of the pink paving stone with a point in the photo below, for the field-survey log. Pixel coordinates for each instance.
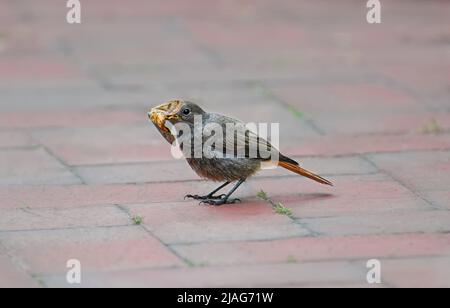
(13, 42)
(218, 35)
(3, 42)
(417, 122)
(35, 219)
(351, 195)
(111, 154)
(318, 99)
(440, 198)
(169, 171)
(179, 74)
(379, 123)
(47, 252)
(317, 249)
(83, 195)
(425, 77)
(68, 99)
(422, 171)
(116, 58)
(370, 94)
(105, 145)
(12, 139)
(385, 223)
(6, 9)
(36, 68)
(275, 275)
(155, 9)
(70, 118)
(13, 277)
(188, 222)
(362, 144)
(34, 83)
(417, 272)
(33, 167)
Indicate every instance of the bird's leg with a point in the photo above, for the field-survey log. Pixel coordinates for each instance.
(210, 195)
(226, 199)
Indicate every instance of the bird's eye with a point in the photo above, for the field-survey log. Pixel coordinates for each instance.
(186, 111)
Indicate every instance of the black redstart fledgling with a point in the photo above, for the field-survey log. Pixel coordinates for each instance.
(219, 165)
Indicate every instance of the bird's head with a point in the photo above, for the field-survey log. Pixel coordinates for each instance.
(174, 111)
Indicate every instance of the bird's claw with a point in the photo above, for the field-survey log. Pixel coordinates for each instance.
(218, 202)
(191, 197)
(197, 197)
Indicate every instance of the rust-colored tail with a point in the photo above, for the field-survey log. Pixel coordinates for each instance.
(299, 170)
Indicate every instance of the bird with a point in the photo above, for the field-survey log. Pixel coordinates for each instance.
(223, 168)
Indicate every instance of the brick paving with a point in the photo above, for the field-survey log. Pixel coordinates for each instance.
(367, 106)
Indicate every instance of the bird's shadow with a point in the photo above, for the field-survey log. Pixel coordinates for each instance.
(305, 197)
(298, 199)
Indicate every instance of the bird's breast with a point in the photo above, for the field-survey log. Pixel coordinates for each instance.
(224, 169)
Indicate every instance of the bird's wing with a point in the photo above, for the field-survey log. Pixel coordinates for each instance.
(254, 146)
(244, 143)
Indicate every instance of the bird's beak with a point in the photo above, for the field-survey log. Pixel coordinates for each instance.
(167, 111)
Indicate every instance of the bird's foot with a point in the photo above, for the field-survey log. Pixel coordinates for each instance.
(207, 197)
(220, 201)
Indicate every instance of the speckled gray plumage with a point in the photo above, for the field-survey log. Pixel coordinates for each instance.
(224, 168)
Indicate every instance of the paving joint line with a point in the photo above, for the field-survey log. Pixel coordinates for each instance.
(408, 187)
(126, 210)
